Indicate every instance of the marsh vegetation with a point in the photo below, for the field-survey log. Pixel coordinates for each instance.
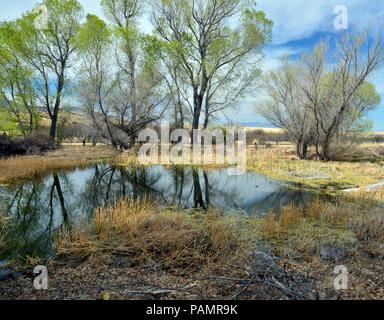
(196, 224)
(76, 95)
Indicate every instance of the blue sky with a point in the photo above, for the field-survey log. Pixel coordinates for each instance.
(298, 25)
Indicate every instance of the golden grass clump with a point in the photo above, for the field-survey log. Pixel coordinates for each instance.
(290, 219)
(66, 157)
(27, 167)
(219, 234)
(140, 230)
(370, 228)
(334, 214)
(287, 222)
(268, 226)
(304, 229)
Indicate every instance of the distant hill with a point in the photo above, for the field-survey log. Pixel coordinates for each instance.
(258, 125)
(77, 110)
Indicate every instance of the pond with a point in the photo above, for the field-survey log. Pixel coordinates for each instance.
(39, 208)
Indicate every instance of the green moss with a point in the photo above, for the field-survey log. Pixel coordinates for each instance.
(315, 176)
(306, 238)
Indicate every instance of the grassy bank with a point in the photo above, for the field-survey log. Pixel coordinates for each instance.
(67, 157)
(146, 232)
(136, 250)
(3, 229)
(325, 177)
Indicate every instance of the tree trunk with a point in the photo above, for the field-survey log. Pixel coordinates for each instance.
(325, 150)
(197, 111)
(55, 115)
(181, 115)
(206, 122)
(52, 131)
(304, 152)
(132, 68)
(298, 150)
(197, 104)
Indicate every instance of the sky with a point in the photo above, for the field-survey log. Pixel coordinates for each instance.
(298, 26)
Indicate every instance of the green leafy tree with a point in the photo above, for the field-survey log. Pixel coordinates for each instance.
(120, 90)
(50, 52)
(217, 47)
(139, 95)
(364, 101)
(17, 82)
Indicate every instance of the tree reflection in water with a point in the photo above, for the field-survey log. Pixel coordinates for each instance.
(39, 208)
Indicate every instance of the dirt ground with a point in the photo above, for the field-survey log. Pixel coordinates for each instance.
(284, 280)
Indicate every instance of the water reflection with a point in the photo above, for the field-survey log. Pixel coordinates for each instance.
(39, 208)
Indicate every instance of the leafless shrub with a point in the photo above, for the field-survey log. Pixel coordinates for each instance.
(262, 137)
(346, 152)
(35, 144)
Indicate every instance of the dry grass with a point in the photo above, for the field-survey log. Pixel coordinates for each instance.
(144, 233)
(288, 221)
(337, 214)
(26, 167)
(267, 130)
(349, 152)
(17, 168)
(302, 230)
(370, 228)
(347, 220)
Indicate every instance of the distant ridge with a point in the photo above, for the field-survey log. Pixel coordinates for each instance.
(257, 125)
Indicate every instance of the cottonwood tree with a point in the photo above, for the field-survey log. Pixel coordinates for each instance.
(49, 52)
(123, 14)
(178, 89)
(105, 89)
(324, 95)
(217, 46)
(287, 107)
(331, 81)
(139, 98)
(96, 81)
(17, 82)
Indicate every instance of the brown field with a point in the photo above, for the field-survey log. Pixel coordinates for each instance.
(26, 167)
(268, 130)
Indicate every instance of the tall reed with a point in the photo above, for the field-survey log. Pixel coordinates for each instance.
(144, 232)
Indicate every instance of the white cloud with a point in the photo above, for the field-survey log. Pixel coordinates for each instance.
(377, 79)
(274, 53)
(299, 19)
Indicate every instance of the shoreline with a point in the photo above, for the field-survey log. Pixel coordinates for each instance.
(296, 232)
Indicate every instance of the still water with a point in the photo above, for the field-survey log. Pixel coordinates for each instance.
(38, 208)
